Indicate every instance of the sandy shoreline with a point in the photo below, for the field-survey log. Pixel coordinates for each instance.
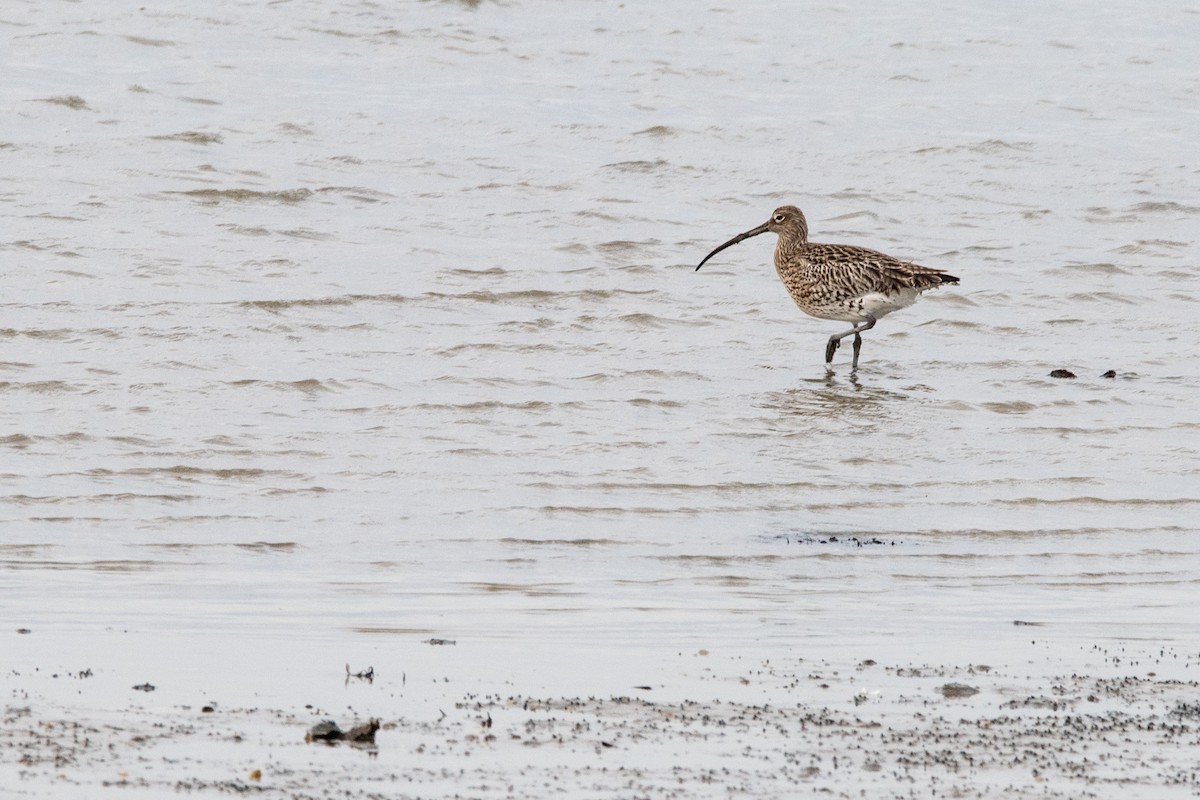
(731, 729)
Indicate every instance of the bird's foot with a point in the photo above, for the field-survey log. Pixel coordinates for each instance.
(830, 349)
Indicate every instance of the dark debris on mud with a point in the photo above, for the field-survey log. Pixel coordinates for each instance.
(849, 731)
(843, 541)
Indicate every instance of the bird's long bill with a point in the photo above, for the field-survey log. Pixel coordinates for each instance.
(741, 237)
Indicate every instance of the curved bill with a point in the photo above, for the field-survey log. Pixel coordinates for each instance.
(741, 237)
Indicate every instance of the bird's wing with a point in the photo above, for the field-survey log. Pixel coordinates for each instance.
(861, 270)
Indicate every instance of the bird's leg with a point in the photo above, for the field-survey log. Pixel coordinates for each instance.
(831, 348)
(836, 339)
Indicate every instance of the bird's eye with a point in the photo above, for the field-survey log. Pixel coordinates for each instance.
(779, 217)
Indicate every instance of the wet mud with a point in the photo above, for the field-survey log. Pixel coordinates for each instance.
(864, 729)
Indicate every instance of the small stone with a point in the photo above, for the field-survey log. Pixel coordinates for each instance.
(324, 731)
(958, 690)
(363, 734)
(1112, 373)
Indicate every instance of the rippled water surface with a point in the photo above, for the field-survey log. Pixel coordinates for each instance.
(359, 324)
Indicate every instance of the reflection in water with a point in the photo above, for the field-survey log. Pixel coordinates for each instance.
(846, 400)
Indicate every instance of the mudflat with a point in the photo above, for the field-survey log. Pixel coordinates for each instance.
(722, 726)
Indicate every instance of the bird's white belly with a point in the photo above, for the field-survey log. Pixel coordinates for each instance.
(859, 309)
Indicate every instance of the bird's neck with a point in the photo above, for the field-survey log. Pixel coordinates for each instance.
(789, 245)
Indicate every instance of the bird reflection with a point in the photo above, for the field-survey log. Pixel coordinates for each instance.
(845, 400)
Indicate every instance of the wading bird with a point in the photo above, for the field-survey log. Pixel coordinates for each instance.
(840, 281)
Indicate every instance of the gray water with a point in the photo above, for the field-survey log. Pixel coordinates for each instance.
(347, 324)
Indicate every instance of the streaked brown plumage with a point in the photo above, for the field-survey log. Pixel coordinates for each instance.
(840, 281)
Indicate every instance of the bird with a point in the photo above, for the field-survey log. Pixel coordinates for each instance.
(840, 281)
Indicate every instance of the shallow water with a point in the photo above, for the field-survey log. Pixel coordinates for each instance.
(329, 328)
